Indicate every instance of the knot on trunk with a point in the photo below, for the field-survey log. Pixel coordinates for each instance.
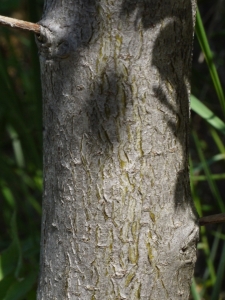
(53, 43)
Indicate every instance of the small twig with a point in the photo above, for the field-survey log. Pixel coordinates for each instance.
(220, 218)
(5, 21)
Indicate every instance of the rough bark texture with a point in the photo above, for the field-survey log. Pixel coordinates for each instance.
(118, 220)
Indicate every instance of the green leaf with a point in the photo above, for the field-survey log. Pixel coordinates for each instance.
(213, 159)
(203, 41)
(19, 289)
(16, 144)
(212, 185)
(220, 275)
(5, 285)
(194, 291)
(8, 195)
(8, 260)
(204, 112)
(11, 258)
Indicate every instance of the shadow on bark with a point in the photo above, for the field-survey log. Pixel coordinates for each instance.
(169, 57)
(172, 58)
(100, 110)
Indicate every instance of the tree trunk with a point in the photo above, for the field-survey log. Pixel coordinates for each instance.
(118, 219)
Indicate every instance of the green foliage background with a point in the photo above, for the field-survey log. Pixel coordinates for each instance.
(21, 151)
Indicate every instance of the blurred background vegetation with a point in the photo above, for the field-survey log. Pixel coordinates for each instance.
(21, 151)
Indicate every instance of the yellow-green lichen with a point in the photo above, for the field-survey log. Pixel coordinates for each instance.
(133, 254)
(137, 292)
(152, 216)
(129, 278)
(122, 164)
(134, 228)
(150, 255)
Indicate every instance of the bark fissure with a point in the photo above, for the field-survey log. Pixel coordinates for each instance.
(118, 220)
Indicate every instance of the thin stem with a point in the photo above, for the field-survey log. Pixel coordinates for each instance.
(23, 25)
(219, 218)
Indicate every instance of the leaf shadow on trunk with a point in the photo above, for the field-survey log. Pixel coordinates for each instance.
(102, 113)
(172, 58)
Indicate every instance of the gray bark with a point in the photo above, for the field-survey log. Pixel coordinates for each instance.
(118, 219)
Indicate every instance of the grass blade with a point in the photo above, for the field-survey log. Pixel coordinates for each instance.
(204, 112)
(204, 44)
(219, 278)
(211, 183)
